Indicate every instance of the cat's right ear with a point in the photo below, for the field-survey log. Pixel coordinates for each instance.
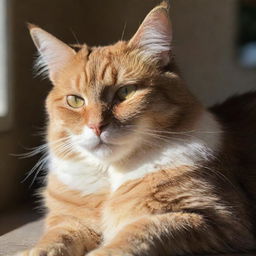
(154, 36)
(53, 53)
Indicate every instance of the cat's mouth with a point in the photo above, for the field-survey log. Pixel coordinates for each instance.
(104, 146)
(101, 145)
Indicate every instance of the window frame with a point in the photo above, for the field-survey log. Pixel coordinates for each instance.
(6, 120)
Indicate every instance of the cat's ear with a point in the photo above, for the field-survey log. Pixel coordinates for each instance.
(53, 53)
(154, 36)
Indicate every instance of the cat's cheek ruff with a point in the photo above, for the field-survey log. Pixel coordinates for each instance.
(201, 145)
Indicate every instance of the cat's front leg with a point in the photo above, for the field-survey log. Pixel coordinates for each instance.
(176, 234)
(68, 237)
(109, 252)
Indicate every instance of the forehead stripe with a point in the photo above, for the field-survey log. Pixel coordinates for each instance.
(102, 73)
(108, 74)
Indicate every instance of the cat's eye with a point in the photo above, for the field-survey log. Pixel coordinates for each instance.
(126, 92)
(75, 101)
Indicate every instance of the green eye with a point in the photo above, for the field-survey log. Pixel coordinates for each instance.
(75, 101)
(126, 92)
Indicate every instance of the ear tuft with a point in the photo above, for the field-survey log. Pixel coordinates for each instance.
(31, 25)
(53, 53)
(154, 36)
(165, 4)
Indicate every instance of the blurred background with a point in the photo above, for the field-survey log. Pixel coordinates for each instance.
(214, 41)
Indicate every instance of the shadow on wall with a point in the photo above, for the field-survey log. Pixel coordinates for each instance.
(204, 42)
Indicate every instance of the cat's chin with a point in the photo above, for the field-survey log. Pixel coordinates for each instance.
(104, 152)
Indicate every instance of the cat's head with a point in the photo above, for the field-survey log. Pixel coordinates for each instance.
(110, 101)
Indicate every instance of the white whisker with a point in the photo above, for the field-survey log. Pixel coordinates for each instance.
(43, 160)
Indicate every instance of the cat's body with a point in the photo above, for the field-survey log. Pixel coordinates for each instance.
(237, 116)
(137, 166)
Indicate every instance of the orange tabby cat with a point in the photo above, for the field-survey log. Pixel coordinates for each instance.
(137, 166)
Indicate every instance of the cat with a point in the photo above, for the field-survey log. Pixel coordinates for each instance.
(137, 165)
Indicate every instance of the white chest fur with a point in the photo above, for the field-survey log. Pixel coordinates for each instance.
(84, 176)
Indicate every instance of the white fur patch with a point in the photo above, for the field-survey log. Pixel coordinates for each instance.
(199, 144)
(86, 176)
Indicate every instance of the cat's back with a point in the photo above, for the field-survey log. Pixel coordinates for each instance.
(238, 111)
(238, 119)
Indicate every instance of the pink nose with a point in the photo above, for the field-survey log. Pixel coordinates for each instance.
(96, 128)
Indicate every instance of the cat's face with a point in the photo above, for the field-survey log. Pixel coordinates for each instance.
(106, 100)
(109, 101)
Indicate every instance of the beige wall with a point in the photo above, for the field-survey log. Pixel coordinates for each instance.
(204, 42)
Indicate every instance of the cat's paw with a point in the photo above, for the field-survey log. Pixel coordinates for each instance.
(108, 252)
(50, 251)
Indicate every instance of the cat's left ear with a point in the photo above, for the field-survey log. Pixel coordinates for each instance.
(154, 36)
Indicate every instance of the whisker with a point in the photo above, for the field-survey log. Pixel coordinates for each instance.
(38, 149)
(39, 169)
(74, 35)
(44, 149)
(219, 174)
(123, 32)
(37, 165)
(179, 132)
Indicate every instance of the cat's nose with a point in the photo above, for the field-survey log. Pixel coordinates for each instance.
(97, 128)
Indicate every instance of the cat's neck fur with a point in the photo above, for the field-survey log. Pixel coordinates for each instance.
(90, 175)
(199, 144)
